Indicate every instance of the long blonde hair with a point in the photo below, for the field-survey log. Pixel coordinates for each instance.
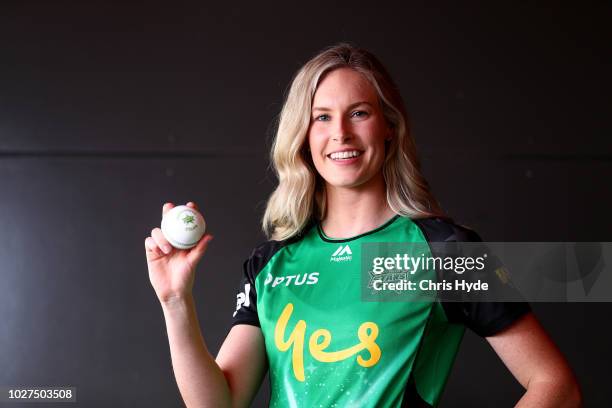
(300, 194)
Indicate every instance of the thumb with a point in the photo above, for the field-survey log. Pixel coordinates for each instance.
(195, 253)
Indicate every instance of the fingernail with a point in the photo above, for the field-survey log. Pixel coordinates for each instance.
(166, 249)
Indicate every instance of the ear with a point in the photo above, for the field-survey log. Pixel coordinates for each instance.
(390, 132)
(389, 135)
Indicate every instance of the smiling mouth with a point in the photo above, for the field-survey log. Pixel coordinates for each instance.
(339, 156)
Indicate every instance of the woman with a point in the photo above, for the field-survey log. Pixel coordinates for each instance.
(348, 175)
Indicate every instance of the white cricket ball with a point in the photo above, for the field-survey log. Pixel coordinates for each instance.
(183, 227)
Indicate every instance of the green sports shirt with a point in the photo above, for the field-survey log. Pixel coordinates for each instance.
(327, 347)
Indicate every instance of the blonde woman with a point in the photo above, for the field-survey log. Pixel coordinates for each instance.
(348, 175)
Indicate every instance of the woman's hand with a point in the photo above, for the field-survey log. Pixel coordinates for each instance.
(172, 270)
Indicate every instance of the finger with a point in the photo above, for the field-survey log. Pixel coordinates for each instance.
(151, 248)
(167, 207)
(193, 205)
(196, 253)
(161, 241)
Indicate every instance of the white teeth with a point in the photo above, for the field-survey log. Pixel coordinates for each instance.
(344, 155)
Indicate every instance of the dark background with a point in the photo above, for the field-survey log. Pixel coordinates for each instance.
(107, 110)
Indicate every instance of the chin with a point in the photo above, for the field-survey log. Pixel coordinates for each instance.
(346, 183)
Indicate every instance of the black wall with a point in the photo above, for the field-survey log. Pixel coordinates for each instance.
(109, 110)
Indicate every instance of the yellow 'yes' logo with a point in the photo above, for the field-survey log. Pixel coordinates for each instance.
(367, 333)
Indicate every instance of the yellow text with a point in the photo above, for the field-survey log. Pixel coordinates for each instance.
(320, 340)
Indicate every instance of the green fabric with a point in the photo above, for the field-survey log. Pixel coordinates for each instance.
(328, 348)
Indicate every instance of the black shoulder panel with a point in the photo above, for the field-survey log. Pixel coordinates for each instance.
(484, 318)
(439, 230)
(246, 298)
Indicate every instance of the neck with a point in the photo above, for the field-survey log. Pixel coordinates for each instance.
(353, 211)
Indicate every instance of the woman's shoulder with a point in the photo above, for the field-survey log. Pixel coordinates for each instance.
(441, 229)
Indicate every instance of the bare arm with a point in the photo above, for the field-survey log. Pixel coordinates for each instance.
(242, 358)
(232, 380)
(536, 363)
(203, 382)
(200, 380)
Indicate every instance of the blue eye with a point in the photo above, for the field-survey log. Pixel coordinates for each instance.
(320, 117)
(359, 113)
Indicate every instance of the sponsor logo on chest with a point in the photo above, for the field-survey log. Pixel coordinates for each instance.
(311, 278)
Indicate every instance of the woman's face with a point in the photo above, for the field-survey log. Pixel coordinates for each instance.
(347, 129)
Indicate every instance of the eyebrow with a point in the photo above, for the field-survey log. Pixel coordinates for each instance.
(351, 106)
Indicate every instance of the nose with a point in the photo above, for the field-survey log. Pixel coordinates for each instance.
(341, 131)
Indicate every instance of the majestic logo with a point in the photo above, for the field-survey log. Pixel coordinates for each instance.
(342, 254)
(320, 340)
(242, 298)
(302, 279)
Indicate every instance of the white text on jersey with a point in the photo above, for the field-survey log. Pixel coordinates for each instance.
(242, 299)
(301, 279)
